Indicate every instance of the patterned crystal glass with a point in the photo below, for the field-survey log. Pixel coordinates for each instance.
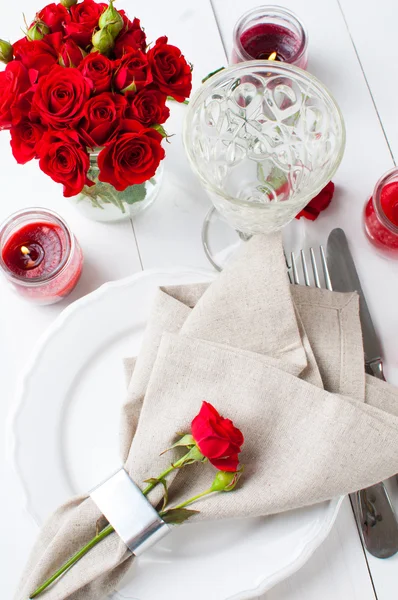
(264, 139)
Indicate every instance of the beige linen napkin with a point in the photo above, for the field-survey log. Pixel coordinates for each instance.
(261, 353)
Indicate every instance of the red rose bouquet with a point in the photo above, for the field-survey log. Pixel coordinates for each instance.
(84, 94)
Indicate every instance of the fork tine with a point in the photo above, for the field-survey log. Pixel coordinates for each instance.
(286, 260)
(315, 268)
(305, 270)
(296, 279)
(326, 270)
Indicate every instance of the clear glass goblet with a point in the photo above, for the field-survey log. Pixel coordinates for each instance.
(264, 138)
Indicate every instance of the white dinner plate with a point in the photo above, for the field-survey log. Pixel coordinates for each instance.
(64, 441)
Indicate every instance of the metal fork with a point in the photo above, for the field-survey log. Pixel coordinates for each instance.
(363, 502)
(293, 273)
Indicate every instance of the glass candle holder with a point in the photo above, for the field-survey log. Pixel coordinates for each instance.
(381, 215)
(264, 138)
(39, 255)
(270, 33)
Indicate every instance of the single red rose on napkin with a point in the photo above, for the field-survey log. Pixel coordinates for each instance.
(102, 114)
(84, 20)
(24, 139)
(64, 159)
(170, 70)
(217, 438)
(131, 38)
(149, 107)
(131, 157)
(318, 204)
(132, 72)
(99, 69)
(54, 16)
(60, 97)
(14, 81)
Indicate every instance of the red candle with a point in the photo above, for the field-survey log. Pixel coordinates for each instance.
(270, 33)
(381, 215)
(40, 256)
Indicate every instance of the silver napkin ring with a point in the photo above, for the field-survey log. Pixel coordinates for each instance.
(128, 511)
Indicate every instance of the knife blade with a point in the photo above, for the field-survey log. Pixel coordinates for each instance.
(375, 516)
(345, 278)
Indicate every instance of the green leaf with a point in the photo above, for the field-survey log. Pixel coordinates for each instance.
(187, 441)
(134, 193)
(176, 516)
(161, 130)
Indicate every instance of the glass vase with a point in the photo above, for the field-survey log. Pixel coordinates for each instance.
(103, 203)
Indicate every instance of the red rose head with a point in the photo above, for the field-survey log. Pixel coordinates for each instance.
(217, 438)
(40, 55)
(149, 107)
(131, 157)
(54, 16)
(318, 204)
(60, 97)
(24, 139)
(132, 72)
(131, 38)
(84, 20)
(102, 115)
(14, 81)
(70, 54)
(170, 70)
(99, 69)
(64, 159)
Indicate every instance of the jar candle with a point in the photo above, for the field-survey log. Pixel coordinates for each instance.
(39, 255)
(270, 33)
(381, 215)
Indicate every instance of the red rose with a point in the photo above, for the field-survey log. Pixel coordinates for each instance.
(54, 16)
(39, 55)
(64, 159)
(131, 157)
(84, 20)
(14, 81)
(170, 70)
(317, 204)
(70, 54)
(24, 139)
(101, 118)
(149, 107)
(131, 38)
(99, 69)
(60, 97)
(217, 438)
(132, 72)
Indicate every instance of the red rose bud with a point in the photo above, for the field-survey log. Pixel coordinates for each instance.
(71, 55)
(103, 41)
(37, 31)
(225, 481)
(111, 19)
(6, 52)
(68, 3)
(217, 438)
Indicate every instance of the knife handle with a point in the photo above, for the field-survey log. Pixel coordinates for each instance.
(375, 368)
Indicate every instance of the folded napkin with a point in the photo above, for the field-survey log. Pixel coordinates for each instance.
(284, 363)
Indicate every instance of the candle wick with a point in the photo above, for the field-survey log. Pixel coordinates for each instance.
(25, 250)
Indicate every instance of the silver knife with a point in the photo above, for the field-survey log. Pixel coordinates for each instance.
(376, 519)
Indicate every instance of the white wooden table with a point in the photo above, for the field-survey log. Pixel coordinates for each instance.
(352, 45)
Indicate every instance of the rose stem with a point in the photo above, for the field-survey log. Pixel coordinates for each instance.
(102, 535)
